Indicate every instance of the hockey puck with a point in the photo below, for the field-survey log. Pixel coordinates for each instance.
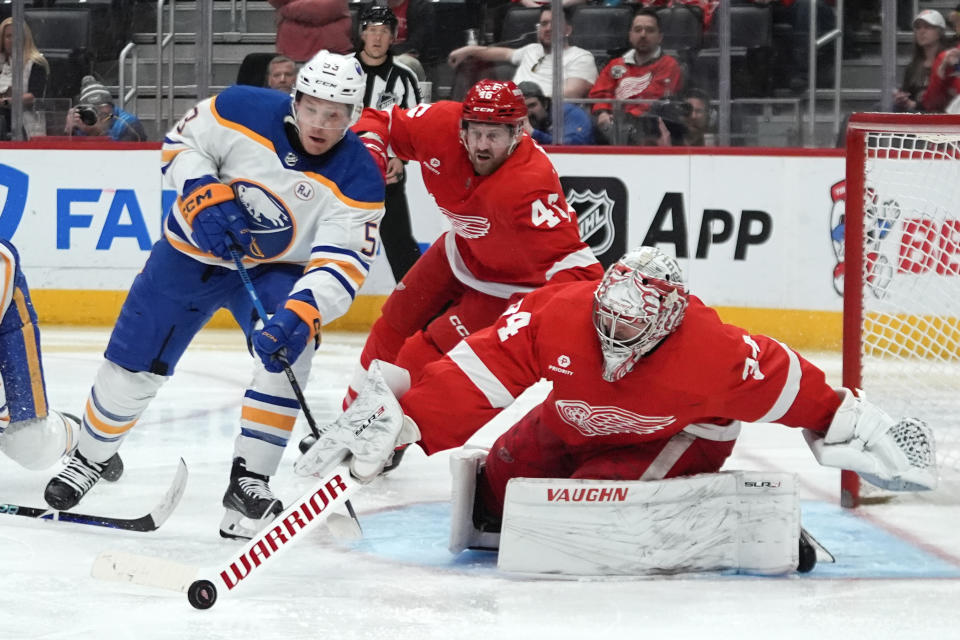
(307, 442)
(202, 594)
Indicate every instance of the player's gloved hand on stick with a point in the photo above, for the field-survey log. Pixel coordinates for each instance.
(284, 336)
(366, 434)
(216, 218)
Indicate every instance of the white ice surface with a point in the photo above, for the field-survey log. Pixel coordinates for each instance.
(322, 589)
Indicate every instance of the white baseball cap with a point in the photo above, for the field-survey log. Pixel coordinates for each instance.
(932, 18)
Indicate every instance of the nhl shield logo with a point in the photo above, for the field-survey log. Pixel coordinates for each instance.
(595, 217)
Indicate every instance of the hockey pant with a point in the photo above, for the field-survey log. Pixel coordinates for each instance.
(530, 450)
(427, 314)
(169, 302)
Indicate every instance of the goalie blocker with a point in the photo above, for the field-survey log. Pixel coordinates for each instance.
(739, 520)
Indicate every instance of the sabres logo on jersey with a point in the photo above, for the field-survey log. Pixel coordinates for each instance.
(268, 219)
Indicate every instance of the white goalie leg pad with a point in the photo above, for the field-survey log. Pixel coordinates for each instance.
(464, 534)
(896, 456)
(37, 444)
(743, 520)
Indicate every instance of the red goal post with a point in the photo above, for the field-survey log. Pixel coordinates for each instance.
(901, 302)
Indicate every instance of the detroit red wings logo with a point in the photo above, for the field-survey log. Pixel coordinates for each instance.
(467, 226)
(606, 421)
(633, 87)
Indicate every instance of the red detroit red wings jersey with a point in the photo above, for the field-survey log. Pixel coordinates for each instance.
(513, 226)
(705, 372)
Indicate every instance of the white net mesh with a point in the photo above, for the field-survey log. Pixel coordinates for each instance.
(911, 289)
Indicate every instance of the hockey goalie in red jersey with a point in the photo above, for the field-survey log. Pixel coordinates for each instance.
(512, 230)
(648, 384)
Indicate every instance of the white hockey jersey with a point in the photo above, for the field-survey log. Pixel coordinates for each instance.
(320, 212)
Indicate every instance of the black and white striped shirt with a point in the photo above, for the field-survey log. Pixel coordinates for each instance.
(391, 83)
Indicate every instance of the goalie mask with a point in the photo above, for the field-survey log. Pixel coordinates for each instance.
(640, 301)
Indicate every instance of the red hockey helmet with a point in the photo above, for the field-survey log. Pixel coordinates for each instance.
(495, 101)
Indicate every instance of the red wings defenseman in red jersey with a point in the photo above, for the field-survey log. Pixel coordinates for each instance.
(512, 230)
(649, 388)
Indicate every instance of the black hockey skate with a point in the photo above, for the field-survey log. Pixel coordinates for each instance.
(247, 498)
(66, 488)
(113, 467)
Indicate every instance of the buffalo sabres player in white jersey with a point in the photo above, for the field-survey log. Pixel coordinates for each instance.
(31, 433)
(285, 181)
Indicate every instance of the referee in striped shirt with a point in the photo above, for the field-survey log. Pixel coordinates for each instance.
(390, 83)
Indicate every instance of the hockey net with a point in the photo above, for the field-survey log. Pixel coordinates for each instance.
(901, 324)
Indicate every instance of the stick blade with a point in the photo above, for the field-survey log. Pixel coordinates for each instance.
(121, 566)
(172, 497)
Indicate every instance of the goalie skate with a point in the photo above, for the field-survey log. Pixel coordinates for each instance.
(249, 503)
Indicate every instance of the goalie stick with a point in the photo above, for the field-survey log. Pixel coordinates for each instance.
(203, 585)
(341, 526)
(148, 522)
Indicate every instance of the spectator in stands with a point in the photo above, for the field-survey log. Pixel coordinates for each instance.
(928, 37)
(281, 74)
(576, 123)
(954, 19)
(643, 73)
(944, 87)
(416, 33)
(35, 72)
(697, 119)
(535, 62)
(389, 83)
(304, 27)
(96, 115)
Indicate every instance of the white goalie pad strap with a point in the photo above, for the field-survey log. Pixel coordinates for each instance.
(397, 378)
(747, 521)
(896, 456)
(464, 465)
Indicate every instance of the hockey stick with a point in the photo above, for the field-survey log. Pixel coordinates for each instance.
(149, 522)
(203, 585)
(340, 529)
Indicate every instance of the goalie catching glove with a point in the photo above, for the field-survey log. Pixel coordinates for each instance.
(365, 435)
(895, 456)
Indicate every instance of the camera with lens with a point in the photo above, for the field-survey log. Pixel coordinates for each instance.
(673, 113)
(88, 114)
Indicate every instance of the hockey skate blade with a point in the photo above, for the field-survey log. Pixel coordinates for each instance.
(236, 526)
(120, 566)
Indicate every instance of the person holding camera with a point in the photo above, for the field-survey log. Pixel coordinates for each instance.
(642, 73)
(576, 123)
(97, 115)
